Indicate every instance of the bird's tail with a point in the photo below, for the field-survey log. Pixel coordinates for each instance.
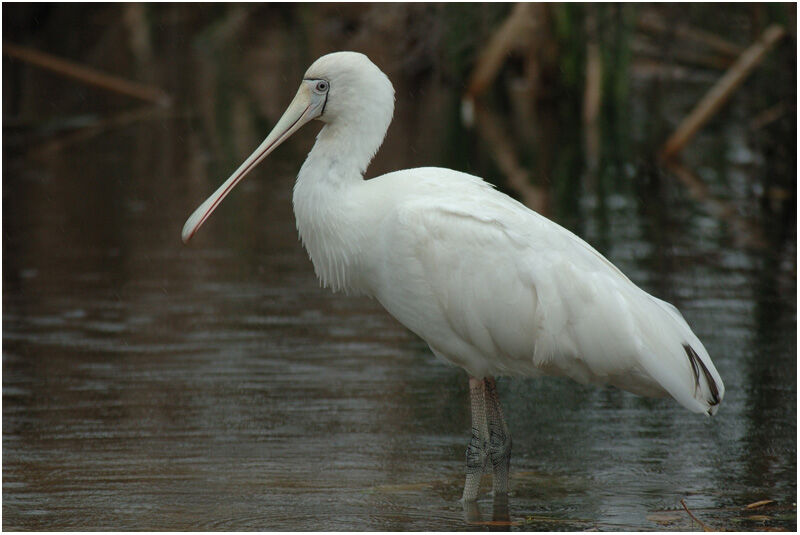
(708, 385)
(687, 374)
(679, 362)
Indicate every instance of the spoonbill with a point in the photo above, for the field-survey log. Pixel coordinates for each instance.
(489, 284)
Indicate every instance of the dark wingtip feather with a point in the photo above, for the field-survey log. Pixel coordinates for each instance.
(697, 367)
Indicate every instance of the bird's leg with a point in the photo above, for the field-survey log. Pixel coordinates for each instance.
(499, 438)
(477, 449)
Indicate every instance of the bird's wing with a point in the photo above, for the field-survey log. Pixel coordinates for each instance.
(499, 289)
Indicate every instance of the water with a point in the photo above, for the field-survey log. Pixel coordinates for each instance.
(152, 386)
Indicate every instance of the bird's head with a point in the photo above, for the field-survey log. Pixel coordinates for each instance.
(355, 89)
(338, 88)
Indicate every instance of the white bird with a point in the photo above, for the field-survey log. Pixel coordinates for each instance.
(489, 284)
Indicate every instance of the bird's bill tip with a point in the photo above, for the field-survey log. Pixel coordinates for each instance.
(193, 223)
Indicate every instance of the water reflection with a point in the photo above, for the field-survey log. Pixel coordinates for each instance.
(151, 386)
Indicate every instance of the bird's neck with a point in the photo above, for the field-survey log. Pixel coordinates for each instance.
(328, 217)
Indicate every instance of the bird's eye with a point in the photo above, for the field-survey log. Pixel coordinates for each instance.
(322, 86)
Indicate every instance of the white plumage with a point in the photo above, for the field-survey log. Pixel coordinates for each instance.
(489, 284)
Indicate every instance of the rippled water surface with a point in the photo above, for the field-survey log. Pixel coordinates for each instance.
(153, 386)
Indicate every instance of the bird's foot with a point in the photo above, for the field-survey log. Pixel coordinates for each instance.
(477, 461)
(500, 456)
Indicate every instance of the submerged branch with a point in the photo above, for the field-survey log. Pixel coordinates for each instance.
(745, 232)
(86, 75)
(119, 120)
(651, 23)
(702, 524)
(722, 90)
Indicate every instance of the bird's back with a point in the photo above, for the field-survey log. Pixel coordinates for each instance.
(500, 290)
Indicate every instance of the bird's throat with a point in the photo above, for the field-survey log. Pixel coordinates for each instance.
(326, 214)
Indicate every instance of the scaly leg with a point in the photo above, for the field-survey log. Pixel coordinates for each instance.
(478, 447)
(499, 438)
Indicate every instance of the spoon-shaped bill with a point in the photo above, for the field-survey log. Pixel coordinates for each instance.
(306, 106)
